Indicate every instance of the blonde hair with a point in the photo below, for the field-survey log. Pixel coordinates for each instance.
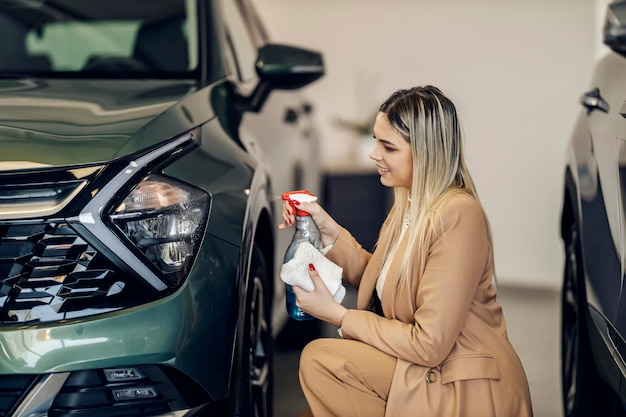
(426, 119)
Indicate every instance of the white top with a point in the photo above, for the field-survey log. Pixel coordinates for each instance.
(380, 283)
(383, 272)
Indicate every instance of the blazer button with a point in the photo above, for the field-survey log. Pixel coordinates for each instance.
(431, 377)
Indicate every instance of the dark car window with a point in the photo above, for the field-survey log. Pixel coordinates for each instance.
(95, 38)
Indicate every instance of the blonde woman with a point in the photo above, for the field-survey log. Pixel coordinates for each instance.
(428, 337)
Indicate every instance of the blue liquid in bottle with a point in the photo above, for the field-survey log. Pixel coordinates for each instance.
(293, 310)
(306, 231)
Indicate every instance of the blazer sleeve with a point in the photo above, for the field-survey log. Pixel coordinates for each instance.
(458, 259)
(350, 255)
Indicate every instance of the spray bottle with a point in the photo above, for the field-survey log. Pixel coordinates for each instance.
(306, 231)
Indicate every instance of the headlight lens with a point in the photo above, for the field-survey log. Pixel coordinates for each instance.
(165, 219)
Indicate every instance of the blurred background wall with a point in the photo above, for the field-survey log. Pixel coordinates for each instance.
(514, 68)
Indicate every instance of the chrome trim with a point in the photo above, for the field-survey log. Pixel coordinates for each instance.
(178, 413)
(32, 210)
(39, 399)
(38, 199)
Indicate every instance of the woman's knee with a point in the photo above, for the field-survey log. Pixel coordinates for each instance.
(311, 355)
(324, 356)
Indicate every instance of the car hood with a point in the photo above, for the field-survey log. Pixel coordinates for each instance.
(69, 122)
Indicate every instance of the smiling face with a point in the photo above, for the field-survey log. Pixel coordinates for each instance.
(392, 154)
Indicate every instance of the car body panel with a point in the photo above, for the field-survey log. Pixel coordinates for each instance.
(595, 204)
(101, 116)
(595, 146)
(173, 330)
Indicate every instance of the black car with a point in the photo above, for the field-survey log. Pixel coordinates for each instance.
(592, 226)
(144, 146)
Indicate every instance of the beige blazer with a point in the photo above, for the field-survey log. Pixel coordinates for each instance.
(448, 332)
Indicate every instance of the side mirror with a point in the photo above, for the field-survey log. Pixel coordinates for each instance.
(615, 26)
(283, 67)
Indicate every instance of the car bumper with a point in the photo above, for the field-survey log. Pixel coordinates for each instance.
(64, 367)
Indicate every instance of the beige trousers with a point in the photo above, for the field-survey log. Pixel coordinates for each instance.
(345, 378)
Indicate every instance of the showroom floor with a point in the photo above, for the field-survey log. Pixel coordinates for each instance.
(533, 324)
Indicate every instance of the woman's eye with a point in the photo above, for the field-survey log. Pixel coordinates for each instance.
(388, 149)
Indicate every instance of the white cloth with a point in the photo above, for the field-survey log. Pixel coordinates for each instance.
(295, 272)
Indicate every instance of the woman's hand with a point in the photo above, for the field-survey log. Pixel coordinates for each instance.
(329, 228)
(319, 303)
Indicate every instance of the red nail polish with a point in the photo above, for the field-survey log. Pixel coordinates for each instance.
(311, 267)
(296, 202)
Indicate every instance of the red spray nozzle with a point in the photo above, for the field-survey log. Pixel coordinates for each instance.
(299, 195)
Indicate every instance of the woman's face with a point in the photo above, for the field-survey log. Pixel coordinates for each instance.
(392, 155)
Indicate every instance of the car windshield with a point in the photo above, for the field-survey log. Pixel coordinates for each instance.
(96, 39)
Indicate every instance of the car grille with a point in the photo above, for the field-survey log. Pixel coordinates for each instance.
(12, 389)
(48, 272)
(61, 257)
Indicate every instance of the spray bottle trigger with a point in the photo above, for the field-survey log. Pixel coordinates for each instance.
(300, 195)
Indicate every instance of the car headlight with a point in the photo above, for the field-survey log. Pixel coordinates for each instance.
(150, 224)
(165, 219)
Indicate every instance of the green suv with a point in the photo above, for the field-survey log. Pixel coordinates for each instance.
(143, 149)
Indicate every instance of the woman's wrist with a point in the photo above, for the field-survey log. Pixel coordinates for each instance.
(339, 315)
(327, 242)
(330, 237)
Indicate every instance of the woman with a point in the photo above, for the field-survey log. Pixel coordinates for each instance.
(428, 337)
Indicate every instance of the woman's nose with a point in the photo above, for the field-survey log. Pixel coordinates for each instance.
(375, 155)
